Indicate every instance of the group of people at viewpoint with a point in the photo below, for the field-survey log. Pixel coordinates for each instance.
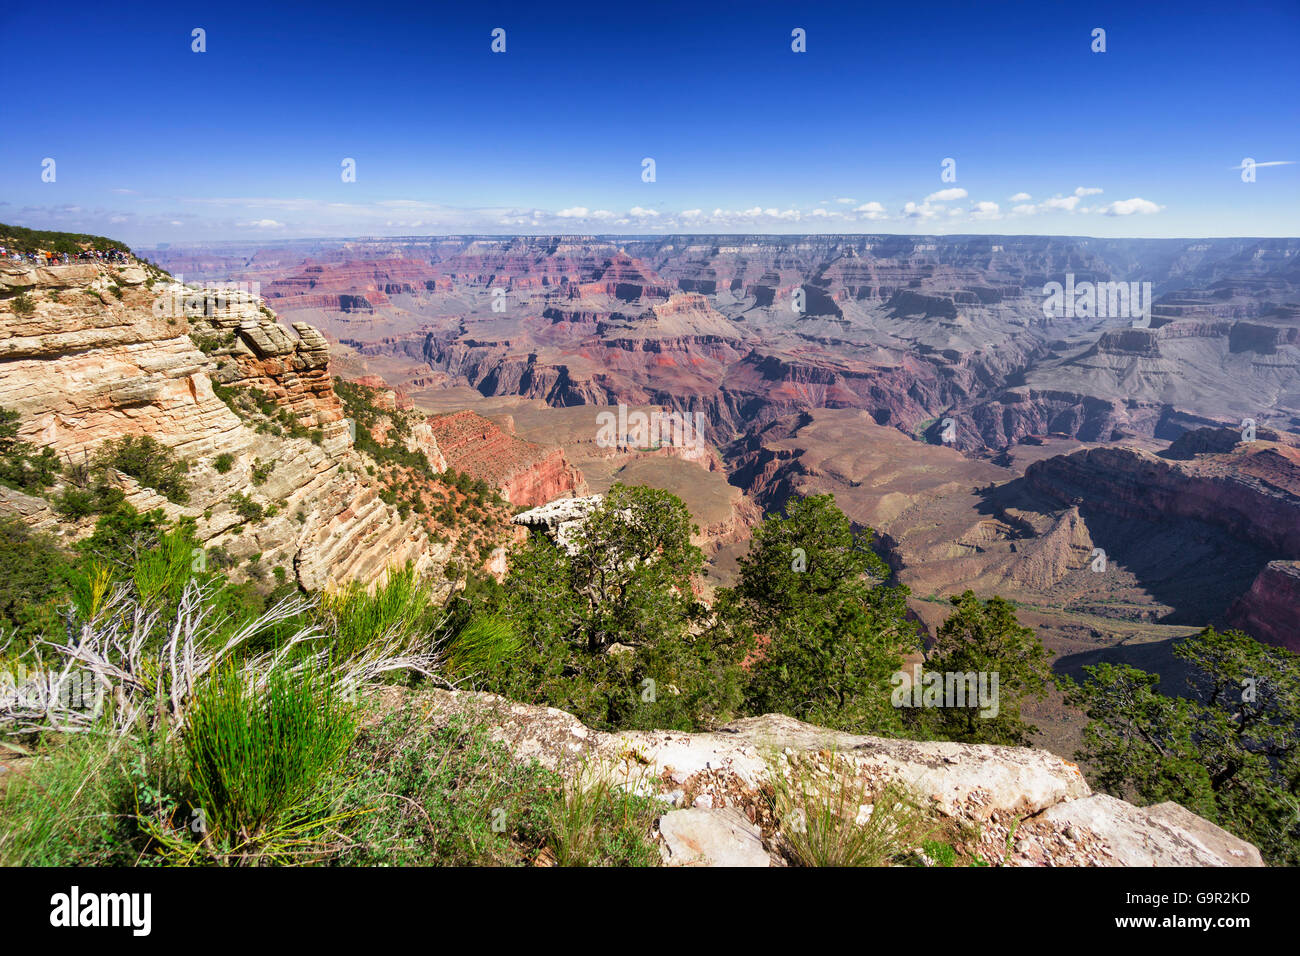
(46, 258)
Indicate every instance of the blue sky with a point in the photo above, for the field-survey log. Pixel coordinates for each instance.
(153, 142)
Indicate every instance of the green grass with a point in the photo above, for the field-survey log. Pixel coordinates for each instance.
(70, 805)
(450, 796)
(482, 646)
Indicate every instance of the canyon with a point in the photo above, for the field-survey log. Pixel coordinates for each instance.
(1101, 476)
(918, 378)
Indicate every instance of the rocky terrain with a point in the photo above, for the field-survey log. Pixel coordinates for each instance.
(1021, 807)
(89, 364)
(527, 474)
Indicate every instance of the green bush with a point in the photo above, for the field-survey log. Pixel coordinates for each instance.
(402, 608)
(32, 576)
(149, 462)
(22, 304)
(613, 632)
(223, 462)
(482, 646)
(1229, 750)
(258, 758)
(21, 465)
(836, 630)
(246, 507)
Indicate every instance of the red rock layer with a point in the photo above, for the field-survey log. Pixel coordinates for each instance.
(526, 473)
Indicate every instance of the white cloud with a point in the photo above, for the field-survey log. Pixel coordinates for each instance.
(692, 213)
(1129, 207)
(845, 201)
(871, 210)
(1066, 203)
(1020, 197)
(573, 212)
(924, 211)
(1024, 210)
(944, 195)
(638, 213)
(986, 210)
(1087, 191)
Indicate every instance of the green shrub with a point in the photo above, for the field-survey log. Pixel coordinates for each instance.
(402, 608)
(22, 304)
(32, 574)
(223, 462)
(258, 758)
(262, 471)
(482, 646)
(21, 465)
(123, 534)
(149, 462)
(246, 507)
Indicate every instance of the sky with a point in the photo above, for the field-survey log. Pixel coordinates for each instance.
(153, 142)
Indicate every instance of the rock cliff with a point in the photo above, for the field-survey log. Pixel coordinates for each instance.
(110, 351)
(525, 473)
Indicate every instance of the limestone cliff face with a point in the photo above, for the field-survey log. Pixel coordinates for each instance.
(252, 349)
(89, 364)
(80, 370)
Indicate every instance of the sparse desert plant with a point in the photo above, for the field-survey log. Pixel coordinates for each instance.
(223, 462)
(246, 507)
(600, 823)
(22, 304)
(829, 817)
(262, 471)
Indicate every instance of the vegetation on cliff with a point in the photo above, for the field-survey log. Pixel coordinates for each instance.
(1230, 751)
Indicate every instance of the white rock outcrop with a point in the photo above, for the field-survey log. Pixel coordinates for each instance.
(1029, 807)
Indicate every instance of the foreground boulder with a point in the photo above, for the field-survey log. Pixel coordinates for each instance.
(703, 837)
(1021, 807)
